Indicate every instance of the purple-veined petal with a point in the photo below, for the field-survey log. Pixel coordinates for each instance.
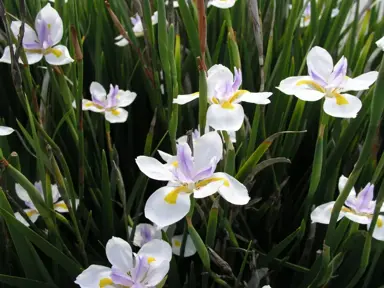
(121, 278)
(339, 73)
(30, 39)
(320, 62)
(206, 148)
(49, 19)
(185, 163)
(364, 200)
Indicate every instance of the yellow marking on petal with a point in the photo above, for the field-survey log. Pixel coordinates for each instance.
(345, 209)
(175, 164)
(36, 51)
(227, 105)
(61, 205)
(32, 212)
(115, 112)
(210, 180)
(105, 282)
(54, 51)
(171, 197)
(215, 100)
(340, 99)
(311, 83)
(89, 104)
(49, 26)
(177, 243)
(237, 94)
(151, 259)
(379, 223)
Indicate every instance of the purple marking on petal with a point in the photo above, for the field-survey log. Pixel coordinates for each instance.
(339, 72)
(30, 204)
(195, 134)
(364, 199)
(113, 91)
(32, 45)
(141, 269)
(135, 20)
(39, 188)
(207, 172)
(238, 79)
(44, 34)
(316, 77)
(146, 234)
(185, 163)
(307, 10)
(120, 278)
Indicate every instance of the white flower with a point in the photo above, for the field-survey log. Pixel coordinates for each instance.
(175, 4)
(357, 208)
(380, 43)
(306, 17)
(49, 27)
(187, 174)
(111, 104)
(5, 131)
(145, 269)
(223, 4)
(32, 212)
(326, 80)
(138, 29)
(190, 248)
(225, 112)
(145, 233)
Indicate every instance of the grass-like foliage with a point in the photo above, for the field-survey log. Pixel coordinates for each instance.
(191, 143)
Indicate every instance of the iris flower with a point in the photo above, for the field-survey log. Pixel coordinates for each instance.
(111, 104)
(189, 174)
(138, 29)
(306, 17)
(357, 208)
(49, 28)
(190, 248)
(331, 82)
(5, 131)
(225, 112)
(147, 268)
(223, 4)
(145, 233)
(32, 212)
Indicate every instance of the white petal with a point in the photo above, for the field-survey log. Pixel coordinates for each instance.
(163, 213)
(335, 12)
(206, 148)
(185, 98)
(156, 274)
(256, 98)
(225, 119)
(342, 182)
(6, 58)
(91, 106)
(218, 75)
(208, 190)
(22, 193)
(55, 193)
(60, 57)
(233, 191)
(349, 110)
(165, 156)
(222, 4)
(380, 43)
(92, 276)
(378, 232)
(30, 36)
(190, 248)
(320, 61)
(155, 18)
(49, 16)
(304, 92)
(60, 207)
(98, 92)
(125, 98)
(119, 254)
(139, 240)
(362, 82)
(322, 214)
(118, 115)
(357, 218)
(33, 215)
(152, 168)
(32, 58)
(121, 42)
(5, 131)
(157, 249)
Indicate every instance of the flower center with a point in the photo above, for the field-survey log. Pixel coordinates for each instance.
(228, 104)
(105, 282)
